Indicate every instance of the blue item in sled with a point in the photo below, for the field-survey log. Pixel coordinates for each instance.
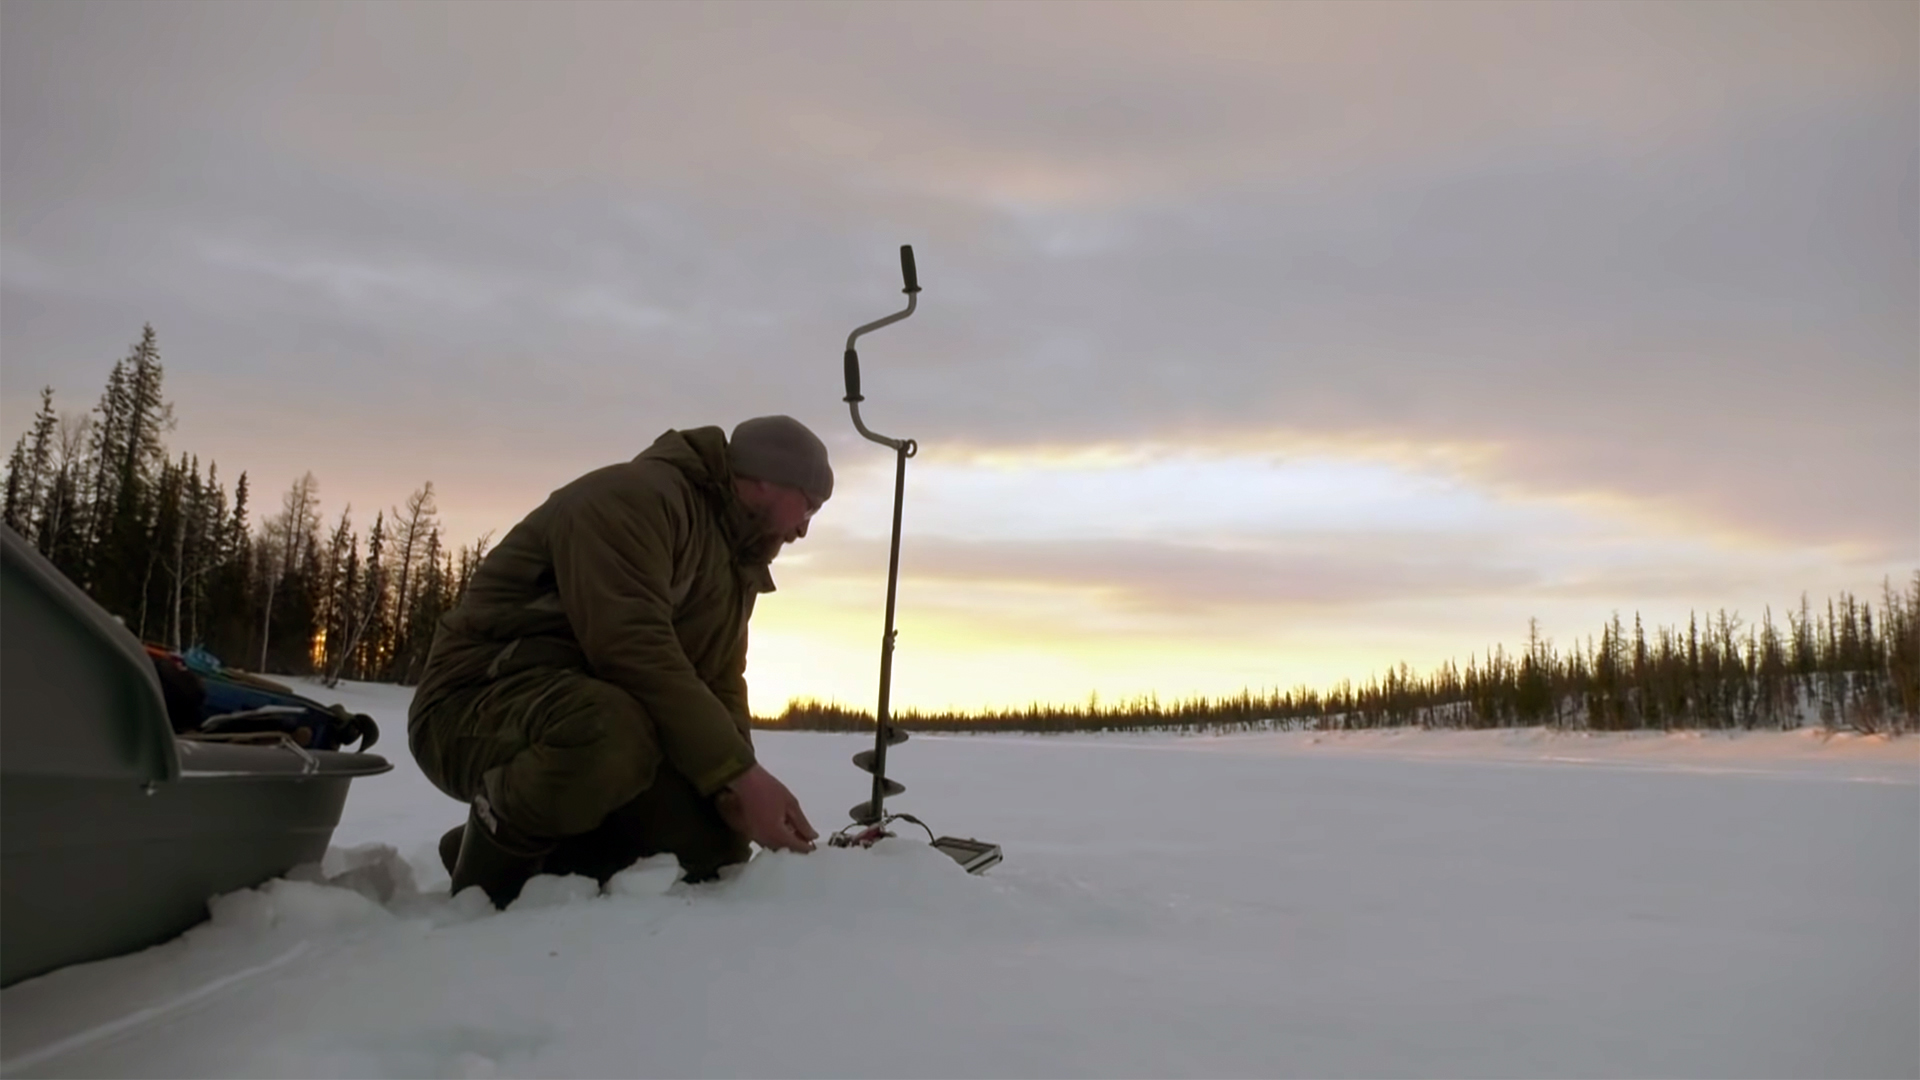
(233, 708)
(229, 703)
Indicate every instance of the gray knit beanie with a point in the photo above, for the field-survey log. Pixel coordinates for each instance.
(780, 450)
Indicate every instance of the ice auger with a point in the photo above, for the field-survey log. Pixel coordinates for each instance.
(870, 818)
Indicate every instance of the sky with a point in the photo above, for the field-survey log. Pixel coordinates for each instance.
(1260, 346)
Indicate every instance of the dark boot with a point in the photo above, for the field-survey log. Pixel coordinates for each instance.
(670, 817)
(492, 857)
(450, 847)
(599, 854)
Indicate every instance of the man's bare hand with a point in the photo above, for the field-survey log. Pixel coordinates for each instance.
(763, 809)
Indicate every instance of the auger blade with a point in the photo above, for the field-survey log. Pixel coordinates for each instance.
(896, 735)
(864, 761)
(865, 814)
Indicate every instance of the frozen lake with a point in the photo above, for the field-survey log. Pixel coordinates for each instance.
(1489, 904)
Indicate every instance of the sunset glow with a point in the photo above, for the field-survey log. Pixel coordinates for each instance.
(1262, 345)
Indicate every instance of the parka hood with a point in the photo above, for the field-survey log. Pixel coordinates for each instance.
(701, 454)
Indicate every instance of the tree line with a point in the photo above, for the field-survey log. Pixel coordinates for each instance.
(1843, 668)
(167, 550)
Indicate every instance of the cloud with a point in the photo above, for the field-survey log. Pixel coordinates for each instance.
(1172, 578)
(1179, 544)
(1147, 96)
(1659, 255)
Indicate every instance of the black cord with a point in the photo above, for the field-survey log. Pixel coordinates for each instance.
(915, 820)
(843, 839)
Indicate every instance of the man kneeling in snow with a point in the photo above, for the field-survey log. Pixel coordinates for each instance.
(587, 696)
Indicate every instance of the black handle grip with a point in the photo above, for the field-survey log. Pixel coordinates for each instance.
(853, 377)
(906, 269)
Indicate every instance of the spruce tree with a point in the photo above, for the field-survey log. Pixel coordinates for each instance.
(214, 552)
(19, 506)
(333, 601)
(228, 626)
(28, 470)
(373, 638)
(285, 545)
(104, 453)
(127, 455)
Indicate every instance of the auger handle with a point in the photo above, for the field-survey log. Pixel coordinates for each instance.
(907, 272)
(911, 276)
(851, 359)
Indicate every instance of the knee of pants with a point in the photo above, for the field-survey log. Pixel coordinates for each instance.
(592, 749)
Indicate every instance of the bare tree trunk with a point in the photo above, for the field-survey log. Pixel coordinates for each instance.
(179, 578)
(146, 586)
(353, 642)
(266, 621)
(296, 519)
(272, 572)
(418, 516)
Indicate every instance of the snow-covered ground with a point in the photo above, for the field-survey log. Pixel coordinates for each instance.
(1379, 904)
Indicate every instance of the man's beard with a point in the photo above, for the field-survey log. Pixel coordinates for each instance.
(763, 544)
(765, 548)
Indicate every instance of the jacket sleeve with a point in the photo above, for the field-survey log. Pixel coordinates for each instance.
(613, 563)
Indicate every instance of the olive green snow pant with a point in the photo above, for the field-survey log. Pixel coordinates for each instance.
(567, 760)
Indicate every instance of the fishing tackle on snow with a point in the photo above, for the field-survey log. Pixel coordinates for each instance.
(870, 818)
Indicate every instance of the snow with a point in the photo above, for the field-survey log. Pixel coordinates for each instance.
(1373, 903)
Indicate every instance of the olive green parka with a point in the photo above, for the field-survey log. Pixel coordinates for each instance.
(639, 575)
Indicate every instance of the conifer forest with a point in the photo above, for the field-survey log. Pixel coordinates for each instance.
(1846, 667)
(167, 546)
(174, 553)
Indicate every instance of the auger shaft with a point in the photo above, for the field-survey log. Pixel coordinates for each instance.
(885, 733)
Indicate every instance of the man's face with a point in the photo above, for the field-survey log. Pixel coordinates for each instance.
(780, 514)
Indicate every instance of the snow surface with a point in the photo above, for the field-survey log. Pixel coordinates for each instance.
(1510, 903)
